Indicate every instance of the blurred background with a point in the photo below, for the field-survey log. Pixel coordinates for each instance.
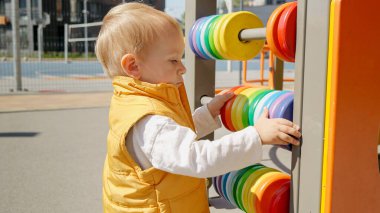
(48, 45)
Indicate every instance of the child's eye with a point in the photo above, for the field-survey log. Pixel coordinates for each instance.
(174, 61)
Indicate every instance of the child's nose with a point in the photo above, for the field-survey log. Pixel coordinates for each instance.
(182, 69)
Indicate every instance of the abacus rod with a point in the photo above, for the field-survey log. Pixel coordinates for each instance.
(253, 34)
(205, 100)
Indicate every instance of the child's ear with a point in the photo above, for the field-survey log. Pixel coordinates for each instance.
(129, 66)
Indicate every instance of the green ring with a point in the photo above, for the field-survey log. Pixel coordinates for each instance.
(246, 107)
(241, 181)
(217, 36)
(211, 37)
(207, 34)
(235, 181)
(253, 105)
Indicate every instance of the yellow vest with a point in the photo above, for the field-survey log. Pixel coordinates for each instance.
(128, 188)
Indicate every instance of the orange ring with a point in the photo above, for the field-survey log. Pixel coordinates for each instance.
(272, 28)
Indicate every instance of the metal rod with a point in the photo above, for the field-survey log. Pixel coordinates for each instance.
(253, 34)
(81, 39)
(83, 25)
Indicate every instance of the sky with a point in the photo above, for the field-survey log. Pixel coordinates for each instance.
(175, 8)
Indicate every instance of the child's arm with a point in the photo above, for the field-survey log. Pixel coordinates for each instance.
(271, 131)
(174, 148)
(204, 122)
(206, 117)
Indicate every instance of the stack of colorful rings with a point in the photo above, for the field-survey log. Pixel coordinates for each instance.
(245, 108)
(255, 189)
(217, 36)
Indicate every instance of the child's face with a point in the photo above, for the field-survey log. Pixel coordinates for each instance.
(162, 61)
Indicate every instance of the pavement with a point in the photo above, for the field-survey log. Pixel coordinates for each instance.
(53, 101)
(52, 152)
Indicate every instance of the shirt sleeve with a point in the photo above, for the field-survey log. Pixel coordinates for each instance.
(204, 122)
(174, 148)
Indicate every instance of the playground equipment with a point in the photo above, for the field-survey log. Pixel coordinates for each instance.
(336, 102)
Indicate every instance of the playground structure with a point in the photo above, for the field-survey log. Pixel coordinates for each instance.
(336, 103)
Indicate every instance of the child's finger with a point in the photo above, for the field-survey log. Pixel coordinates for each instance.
(284, 122)
(227, 96)
(290, 131)
(288, 139)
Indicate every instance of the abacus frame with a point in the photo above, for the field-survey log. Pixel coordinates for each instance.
(310, 90)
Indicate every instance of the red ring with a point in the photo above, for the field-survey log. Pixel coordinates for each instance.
(287, 30)
(223, 109)
(272, 35)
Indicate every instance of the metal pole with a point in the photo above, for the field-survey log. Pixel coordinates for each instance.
(66, 41)
(30, 27)
(16, 44)
(40, 33)
(85, 28)
(40, 40)
(240, 63)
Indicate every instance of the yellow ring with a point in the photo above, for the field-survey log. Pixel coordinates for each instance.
(237, 107)
(217, 36)
(230, 29)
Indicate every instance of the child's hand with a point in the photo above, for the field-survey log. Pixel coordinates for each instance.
(217, 103)
(277, 131)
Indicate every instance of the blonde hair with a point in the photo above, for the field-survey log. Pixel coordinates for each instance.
(129, 28)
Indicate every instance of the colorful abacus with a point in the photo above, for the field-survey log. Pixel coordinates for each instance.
(245, 108)
(241, 35)
(255, 189)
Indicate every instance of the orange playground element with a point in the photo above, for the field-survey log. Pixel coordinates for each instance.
(352, 179)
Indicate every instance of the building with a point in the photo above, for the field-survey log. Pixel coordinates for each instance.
(49, 17)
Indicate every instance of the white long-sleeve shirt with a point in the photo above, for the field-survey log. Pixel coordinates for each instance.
(160, 142)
